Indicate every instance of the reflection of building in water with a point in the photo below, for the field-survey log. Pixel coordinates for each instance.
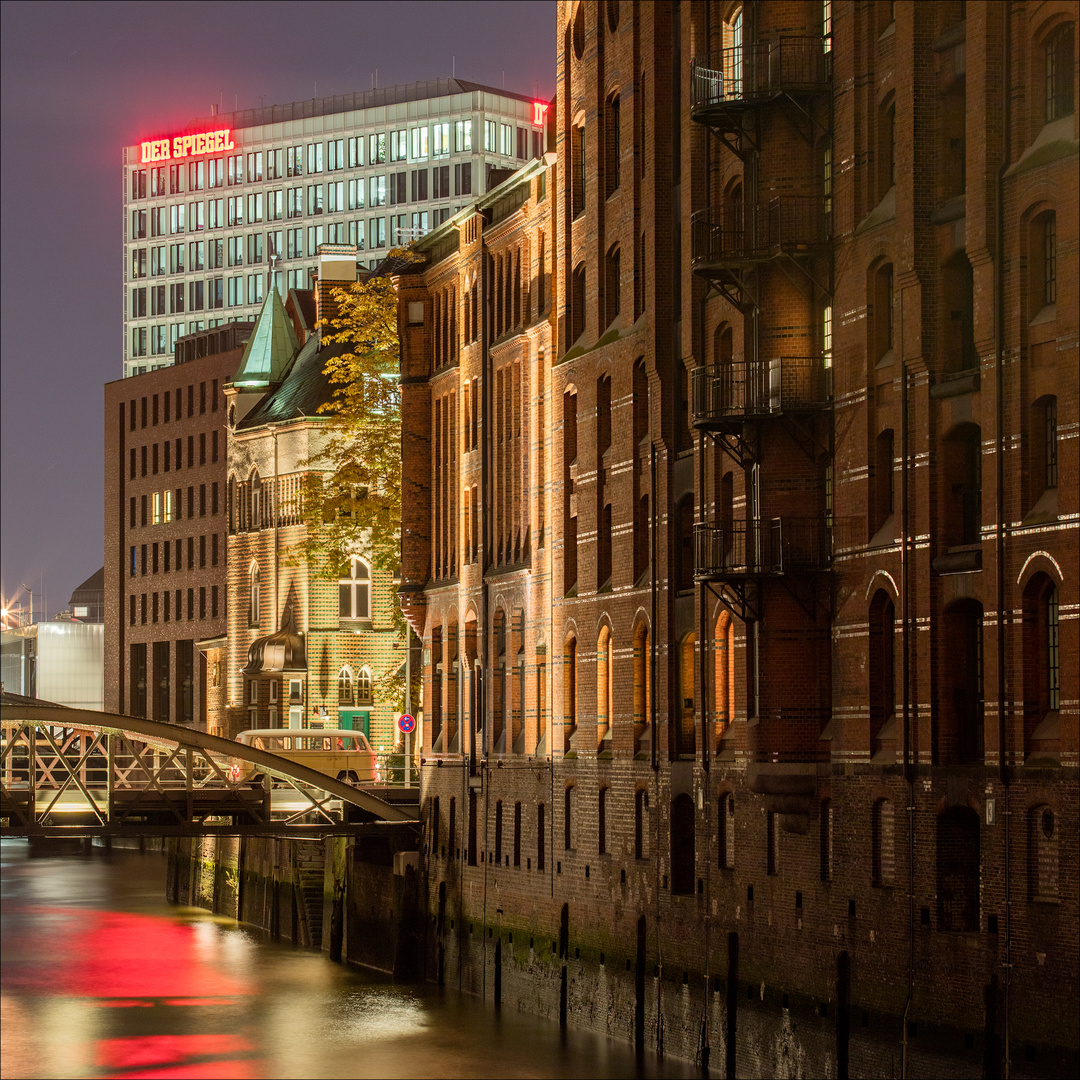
(58, 662)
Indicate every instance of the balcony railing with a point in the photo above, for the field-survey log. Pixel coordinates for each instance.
(760, 388)
(730, 233)
(749, 73)
(761, 547)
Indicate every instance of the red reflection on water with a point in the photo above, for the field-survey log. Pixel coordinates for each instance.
(177, 1055)
(102, 954)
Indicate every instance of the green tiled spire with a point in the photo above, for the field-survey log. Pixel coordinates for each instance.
(271, 347)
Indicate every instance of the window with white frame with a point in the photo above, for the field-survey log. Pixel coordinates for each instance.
(354, 591)
(345, 686)
(364, 689)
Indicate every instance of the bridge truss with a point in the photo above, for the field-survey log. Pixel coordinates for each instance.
(73, 772)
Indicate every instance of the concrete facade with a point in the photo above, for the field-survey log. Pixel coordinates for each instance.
(803, 458)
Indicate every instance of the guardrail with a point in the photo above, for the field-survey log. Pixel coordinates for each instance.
(758, 388)
(760, 547)
(731, 232)
(747, 73)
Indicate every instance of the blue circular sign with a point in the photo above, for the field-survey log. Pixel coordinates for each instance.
(406, 724)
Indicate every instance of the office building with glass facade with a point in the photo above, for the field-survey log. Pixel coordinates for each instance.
(215, 213)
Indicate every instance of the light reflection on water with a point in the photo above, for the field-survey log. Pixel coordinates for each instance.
(100, 977)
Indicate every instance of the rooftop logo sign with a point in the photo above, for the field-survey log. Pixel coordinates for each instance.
(182, 146)
(540, 109)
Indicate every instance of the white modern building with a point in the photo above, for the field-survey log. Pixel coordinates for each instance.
(215, 212)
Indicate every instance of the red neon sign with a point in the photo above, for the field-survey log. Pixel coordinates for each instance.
(182, 146)
(540, 109)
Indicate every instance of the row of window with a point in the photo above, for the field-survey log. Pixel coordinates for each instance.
(957, 853)
(163, 507)
(402, 144)
(169, 405)
(354, 593)
(286, 203)
(153, 607)
(252, 249)
(169, 454)
(167, 556)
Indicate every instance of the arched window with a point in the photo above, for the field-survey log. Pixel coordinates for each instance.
(569, 692)
(354, 591)
(1058, 60)
(612, 284)
(1043, 261)
(884, 845)
(684, 730)
(882, 666)
(641, 807)
(1042, 662)
(577, 305)
(256, 502)
(612, 148)
(1043, 831)
(882, 308)
(364, 691)
(724, 672)
(605, 684)
(345, 686)
(682, 845)
(642, 687)
(254, 599)
(958, 870)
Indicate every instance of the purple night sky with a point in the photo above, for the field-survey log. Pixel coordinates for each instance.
(80, 81)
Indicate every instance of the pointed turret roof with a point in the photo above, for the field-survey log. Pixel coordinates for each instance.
(271, 347)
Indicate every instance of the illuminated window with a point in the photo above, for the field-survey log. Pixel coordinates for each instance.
(345, 687)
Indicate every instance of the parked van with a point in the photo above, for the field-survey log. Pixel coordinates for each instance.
(338, 752)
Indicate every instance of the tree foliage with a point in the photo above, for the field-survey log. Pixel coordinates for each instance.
(352, 493)
(353, 487)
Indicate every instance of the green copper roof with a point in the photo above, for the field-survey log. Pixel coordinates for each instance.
(271, 347)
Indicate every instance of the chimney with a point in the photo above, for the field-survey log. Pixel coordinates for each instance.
(337, 267)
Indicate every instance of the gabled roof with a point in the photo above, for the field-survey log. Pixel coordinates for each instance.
(303, 390)
(270, 348)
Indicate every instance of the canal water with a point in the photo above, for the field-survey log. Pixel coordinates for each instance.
(99, 976)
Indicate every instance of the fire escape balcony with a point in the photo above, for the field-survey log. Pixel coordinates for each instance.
(728, 236)
(763, 547)
(725, 396)
(787, 70)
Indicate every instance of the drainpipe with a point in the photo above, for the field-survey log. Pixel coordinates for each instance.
(1004, 774)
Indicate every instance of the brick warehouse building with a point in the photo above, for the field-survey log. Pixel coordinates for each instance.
(301, 650)
(165, 477)
(783, 766)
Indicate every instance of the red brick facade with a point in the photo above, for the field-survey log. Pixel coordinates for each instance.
(785, 553)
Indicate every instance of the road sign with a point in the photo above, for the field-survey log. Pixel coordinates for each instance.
(406, 724)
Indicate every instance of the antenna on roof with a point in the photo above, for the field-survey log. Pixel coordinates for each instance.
(453, 67)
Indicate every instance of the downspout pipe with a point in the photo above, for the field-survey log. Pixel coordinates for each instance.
(1004, 772)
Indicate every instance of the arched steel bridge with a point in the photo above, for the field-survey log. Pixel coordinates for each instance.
(74, 772)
